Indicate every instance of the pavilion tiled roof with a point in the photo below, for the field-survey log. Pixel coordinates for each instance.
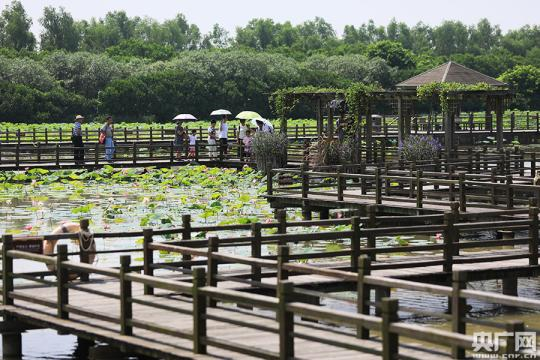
(450, 72)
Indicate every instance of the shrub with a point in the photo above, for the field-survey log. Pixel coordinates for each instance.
(416, 148)
(269, 149)
(327, 151)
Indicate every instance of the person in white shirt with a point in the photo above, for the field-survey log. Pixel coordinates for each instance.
(192, 144)
(212, 148)
(223, 134)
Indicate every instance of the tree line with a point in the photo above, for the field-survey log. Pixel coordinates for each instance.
(141, 68)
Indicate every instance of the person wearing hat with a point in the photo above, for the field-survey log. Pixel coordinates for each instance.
(77, 141)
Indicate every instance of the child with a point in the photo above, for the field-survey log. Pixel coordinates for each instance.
(212, 148)
(248, 139)
(192, 144)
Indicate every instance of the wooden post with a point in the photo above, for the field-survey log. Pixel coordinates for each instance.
(269, 181)
(18, 155)
(378, 186)
(451, 186)
(148, 268)
(7, 269)
(171, 152)
(83, 255)
(340, 185)
(96, 154)
(513, 327)
(281, 217)
(419, 189)
(371, 223)
(509, 192)
(57, 154)
(499, 119)
(459, 309)
(493, 180)
(134, 153)
(125, 135)
(355, 242)
(62, 275)
(186, 235)
(126, 305)
(462, 193)
(533, 235)
(449, 236)
(390, 341)
(282, 258)
(199, 311)
(305, 182)
(411, 181)
(256, 251)
(212, 266)
(363, 294)
(286, 321)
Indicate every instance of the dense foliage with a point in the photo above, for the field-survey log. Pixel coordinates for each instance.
(419, 147)
(138, 67)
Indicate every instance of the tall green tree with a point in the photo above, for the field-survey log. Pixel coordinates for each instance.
(59, 30)
(15, 28)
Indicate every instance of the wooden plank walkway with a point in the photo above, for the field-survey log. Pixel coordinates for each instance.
(355, 199)
(171, 346)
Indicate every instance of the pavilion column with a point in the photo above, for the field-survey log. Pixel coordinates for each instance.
(488, 120)
(449, 133)
(369, 135)
(330, 127)
(499, 115)
(401, 120)
(320, 124)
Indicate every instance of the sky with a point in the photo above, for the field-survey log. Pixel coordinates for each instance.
(232, 13)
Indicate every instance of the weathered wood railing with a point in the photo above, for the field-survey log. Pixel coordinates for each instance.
(200, 297)
(417, 187)
(386, 125)
(134, 154)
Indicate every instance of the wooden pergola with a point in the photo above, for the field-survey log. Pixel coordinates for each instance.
(451, 72)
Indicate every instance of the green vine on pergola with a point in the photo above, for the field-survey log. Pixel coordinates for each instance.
(357, 96)
(447, 92)
(284, 100)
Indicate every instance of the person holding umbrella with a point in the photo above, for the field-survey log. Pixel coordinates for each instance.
(223, 134)
(181, 133)
(242, 129)
(179, 136)
(77, 141)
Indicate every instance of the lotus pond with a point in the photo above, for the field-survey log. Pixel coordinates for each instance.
(36, 201)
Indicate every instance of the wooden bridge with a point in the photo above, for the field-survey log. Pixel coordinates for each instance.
(210, 303)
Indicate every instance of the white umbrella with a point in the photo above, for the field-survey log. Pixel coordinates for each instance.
(220, 112)
(185, 117)
(264, 121)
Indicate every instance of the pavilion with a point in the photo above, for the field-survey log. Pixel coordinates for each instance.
(451, 72)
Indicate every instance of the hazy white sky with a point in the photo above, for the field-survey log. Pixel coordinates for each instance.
(232, 13)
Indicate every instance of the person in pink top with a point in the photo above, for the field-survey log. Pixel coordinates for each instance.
(247, 141)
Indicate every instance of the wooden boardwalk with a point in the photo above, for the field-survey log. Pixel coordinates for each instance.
(171, 346)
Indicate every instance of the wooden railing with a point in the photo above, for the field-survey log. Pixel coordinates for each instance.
(130, 154)
(385, 126)
(419, 188)
(205, 293)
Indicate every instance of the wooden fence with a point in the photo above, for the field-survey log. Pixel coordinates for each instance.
(204, 293)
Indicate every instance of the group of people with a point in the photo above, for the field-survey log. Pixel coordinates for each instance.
(106, 134)
(217, 136)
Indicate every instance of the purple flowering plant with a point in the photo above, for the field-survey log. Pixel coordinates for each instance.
(419, 147)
